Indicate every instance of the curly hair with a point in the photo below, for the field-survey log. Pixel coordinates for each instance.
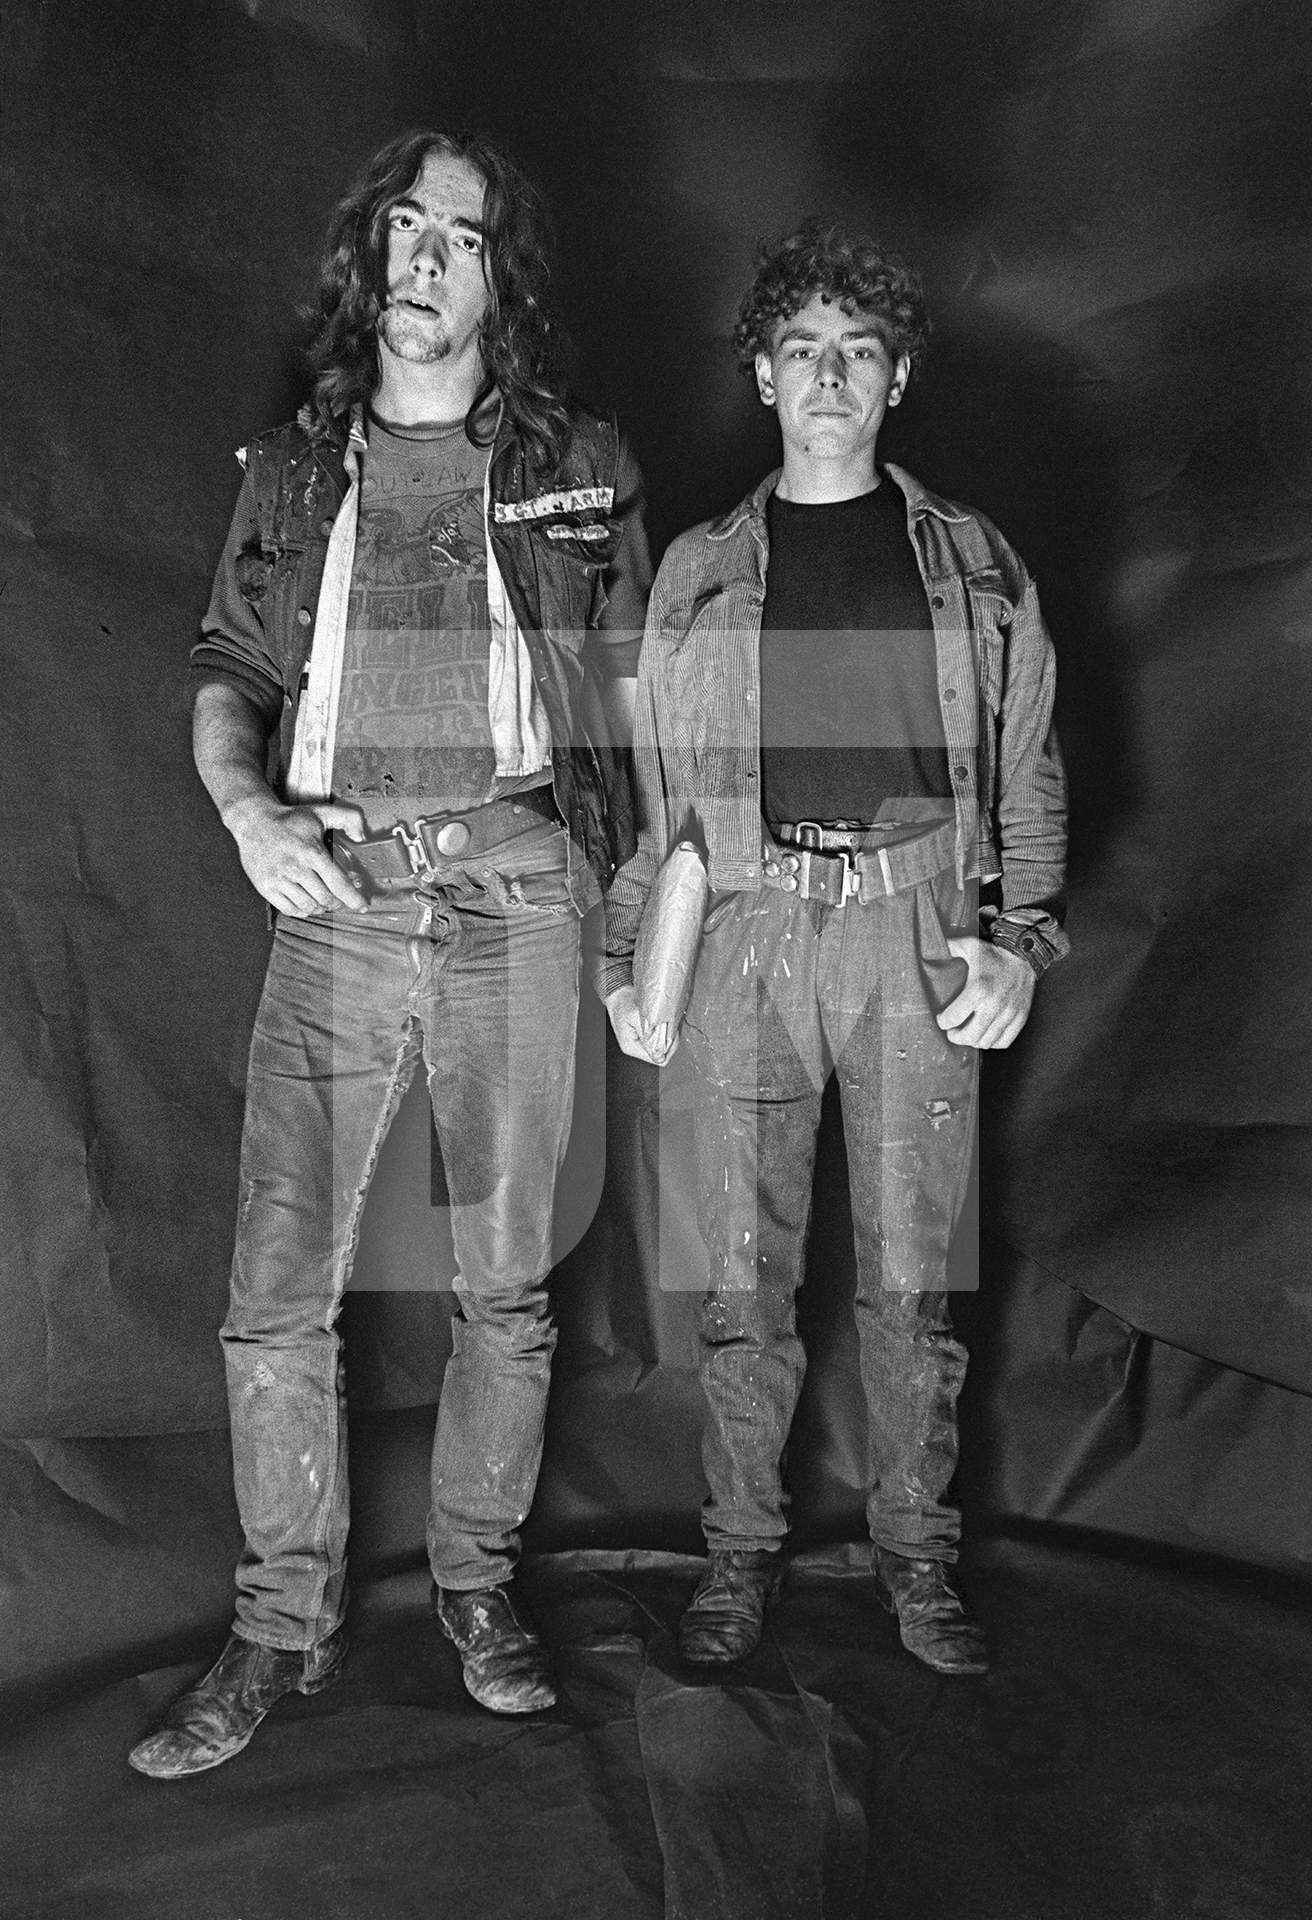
(518, 340)
(829, 260)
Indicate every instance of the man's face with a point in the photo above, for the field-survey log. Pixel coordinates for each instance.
(831, 380)
(437, 291)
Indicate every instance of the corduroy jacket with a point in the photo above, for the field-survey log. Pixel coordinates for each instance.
(697, 730)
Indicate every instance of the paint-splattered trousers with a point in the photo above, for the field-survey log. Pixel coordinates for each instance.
(787, 991)
(480, 982)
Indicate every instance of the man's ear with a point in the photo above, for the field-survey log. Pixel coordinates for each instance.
(765, 379)
(898, 384)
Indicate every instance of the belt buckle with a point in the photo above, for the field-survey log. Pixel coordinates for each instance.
(802, 828)
(414, 846)
(454, 831)
(850, 887)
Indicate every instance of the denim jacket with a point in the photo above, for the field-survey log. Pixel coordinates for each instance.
(569, 550)
(697, 734)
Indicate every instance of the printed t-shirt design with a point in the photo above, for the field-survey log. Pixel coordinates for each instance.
(413, 717)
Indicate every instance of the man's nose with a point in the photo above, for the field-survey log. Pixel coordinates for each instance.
(831, 369)
(430, 253)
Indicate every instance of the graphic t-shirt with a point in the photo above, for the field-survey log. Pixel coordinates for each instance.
(850, 718)
(412, 721)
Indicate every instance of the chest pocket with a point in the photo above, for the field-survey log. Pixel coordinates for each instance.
(697, 642)
(991, 612)
(574, 552)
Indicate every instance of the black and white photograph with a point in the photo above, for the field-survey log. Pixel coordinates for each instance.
(655, 1088)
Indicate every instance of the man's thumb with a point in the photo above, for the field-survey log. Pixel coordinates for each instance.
(346, 820)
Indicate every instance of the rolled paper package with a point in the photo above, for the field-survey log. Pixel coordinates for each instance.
(668, 939)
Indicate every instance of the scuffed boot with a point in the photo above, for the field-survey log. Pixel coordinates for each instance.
(215, 1719)
(933, 1618)
(724, 1618)
(504, 1661)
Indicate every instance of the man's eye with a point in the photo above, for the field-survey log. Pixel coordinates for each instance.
(470, 243)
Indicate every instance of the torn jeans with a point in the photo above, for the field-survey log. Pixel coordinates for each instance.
(478, 979)
(786, 991)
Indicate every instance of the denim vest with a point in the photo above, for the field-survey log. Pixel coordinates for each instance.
(565, 545)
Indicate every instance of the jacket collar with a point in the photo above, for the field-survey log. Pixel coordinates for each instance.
(920, 501)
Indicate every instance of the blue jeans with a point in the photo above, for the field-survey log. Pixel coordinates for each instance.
(479, 980)
(786, 991)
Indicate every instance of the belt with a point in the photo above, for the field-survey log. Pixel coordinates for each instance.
(836, 864)
(421, 850)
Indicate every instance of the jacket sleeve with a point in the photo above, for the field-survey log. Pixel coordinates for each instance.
(233, 647)
(613, 644)
(1030, 810)
(633, 883)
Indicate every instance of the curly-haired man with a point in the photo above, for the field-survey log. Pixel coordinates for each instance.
(845, 695)
(424, 577)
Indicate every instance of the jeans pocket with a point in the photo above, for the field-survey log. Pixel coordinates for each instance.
(718, 911)
(941, 908)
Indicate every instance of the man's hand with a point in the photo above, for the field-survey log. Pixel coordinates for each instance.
(636, 1038)
(286, 857)
(994, 1004)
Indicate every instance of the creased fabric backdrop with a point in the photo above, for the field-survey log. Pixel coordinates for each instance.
(1109, 198)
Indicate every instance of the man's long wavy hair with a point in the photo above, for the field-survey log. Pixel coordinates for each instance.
(518, 340)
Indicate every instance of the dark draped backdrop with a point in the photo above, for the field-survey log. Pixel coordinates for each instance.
(1109, 199)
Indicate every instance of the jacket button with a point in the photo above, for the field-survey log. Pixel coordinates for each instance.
(937, 601)
(949, 693)
(325, 527)
(959, 772)
(304, 617)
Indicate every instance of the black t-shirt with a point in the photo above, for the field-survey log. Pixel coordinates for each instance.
(850, 716)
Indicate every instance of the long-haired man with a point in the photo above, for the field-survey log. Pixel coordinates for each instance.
(433, 580)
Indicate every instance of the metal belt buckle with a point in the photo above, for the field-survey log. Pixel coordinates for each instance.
(415, 849)
(851, 884)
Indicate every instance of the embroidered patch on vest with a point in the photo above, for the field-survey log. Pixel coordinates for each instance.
(573, 500)
(594, 530)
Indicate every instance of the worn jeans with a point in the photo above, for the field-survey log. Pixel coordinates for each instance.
(786, 991)
(480, 981)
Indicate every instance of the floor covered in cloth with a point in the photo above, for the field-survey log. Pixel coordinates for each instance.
(1143, 1749)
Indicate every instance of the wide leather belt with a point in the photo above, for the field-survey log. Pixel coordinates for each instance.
(837, 864)
(422, 849)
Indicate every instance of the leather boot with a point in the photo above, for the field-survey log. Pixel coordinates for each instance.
(932, 1616)
(215, 1719)
(504, 1661)
(724, 1618)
